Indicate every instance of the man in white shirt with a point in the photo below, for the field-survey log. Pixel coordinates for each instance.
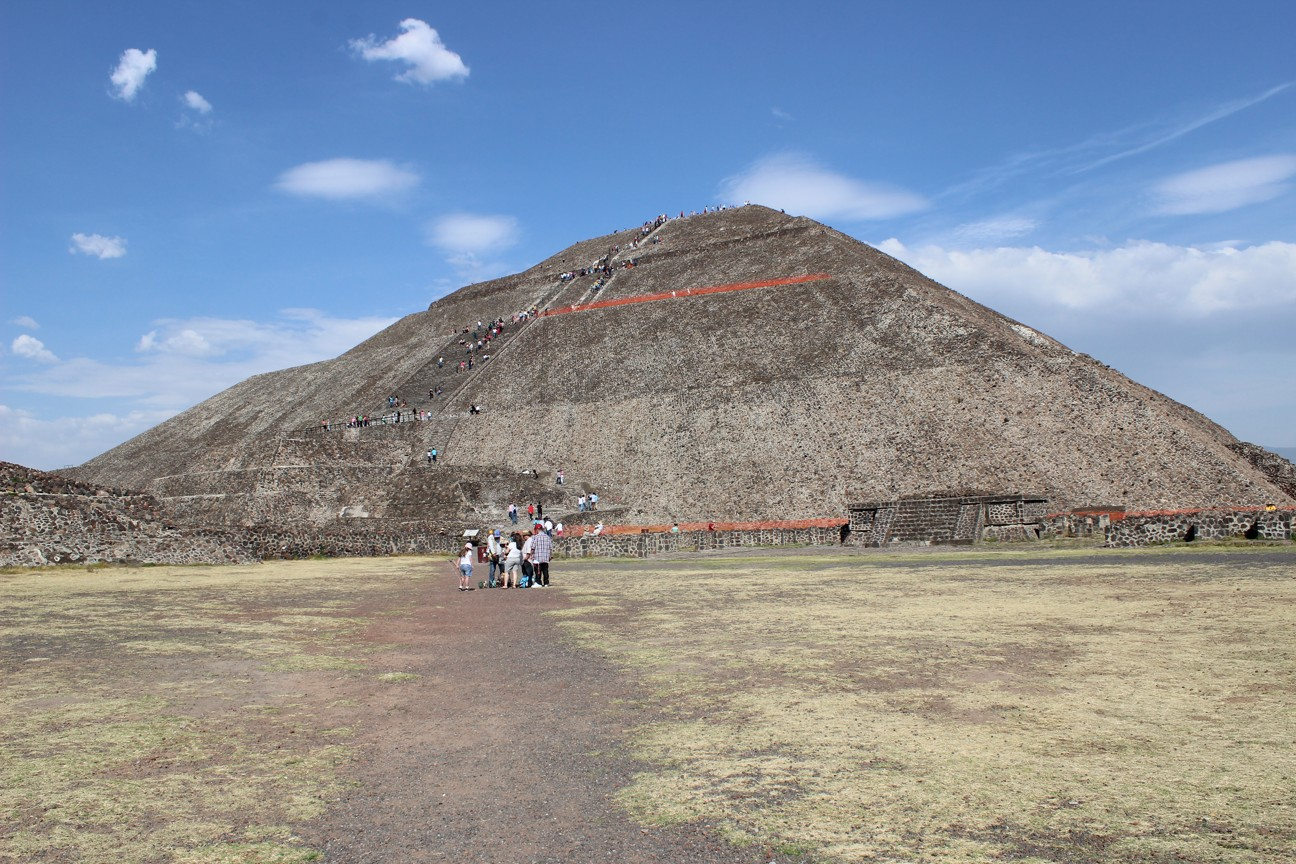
(495, 553)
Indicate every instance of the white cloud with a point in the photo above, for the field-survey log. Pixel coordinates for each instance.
(1227, 186)
(992, 230)
(33, 349)
(469, 233)
(347, 179)
(133, 67)
(1175, 130)
(420, 47)
(300, 336)
(797, 184)
(97, 245)
(466, 237)
(48, 442)
(182, 361)
(178, 364)
(186, 341)
(1100, 149)
(1154, 279)
(26, 321)
(194, 100)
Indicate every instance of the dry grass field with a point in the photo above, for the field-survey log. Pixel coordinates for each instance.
(960, 707)
(160, 714)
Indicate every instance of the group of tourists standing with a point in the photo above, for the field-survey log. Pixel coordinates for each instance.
(520, 561)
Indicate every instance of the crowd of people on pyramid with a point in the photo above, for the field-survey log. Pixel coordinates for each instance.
(475, 342)
(603, 267)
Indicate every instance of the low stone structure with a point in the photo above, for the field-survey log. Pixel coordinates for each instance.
(962, 519)
(47, 519)
(1148, 529)
(656, 543)
(1081, 524)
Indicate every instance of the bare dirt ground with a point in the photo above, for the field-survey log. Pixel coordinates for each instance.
(509, 746)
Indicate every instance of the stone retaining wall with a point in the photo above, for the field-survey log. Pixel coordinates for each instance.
(643, 545)
(1146, 529)
(46, 520)
(41, 528)
(343, 541)
(38, 529)
(428, 538)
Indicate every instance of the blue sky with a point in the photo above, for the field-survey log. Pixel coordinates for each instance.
(194, 192)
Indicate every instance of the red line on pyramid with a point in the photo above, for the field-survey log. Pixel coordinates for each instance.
(686, 292)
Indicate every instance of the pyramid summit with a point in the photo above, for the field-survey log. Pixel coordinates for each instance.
(737, 365)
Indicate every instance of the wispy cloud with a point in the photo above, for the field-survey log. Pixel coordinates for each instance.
(1153, 279)
(467, 237)
(197, 113)
(347, 179)
(1227, 186)
(1184, 127)
(1102, 148)
(182, 361)
(420, 48)
(133, 67)
(48, 442)
(471, 232)
(995, 230)
(26, 322)
(98, 246)
(195, 102)
(33, 349)
(798, 184)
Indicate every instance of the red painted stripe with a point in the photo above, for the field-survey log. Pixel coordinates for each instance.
(686, 292)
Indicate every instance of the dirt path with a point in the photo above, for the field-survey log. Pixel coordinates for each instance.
(506, 748)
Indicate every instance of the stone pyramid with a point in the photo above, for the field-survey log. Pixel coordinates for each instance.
(737, 365)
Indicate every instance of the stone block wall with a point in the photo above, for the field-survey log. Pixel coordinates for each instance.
(643, 545)
(365, 539)
(1146, 529)
(966, 519)
(1081, 524)
(38, 528)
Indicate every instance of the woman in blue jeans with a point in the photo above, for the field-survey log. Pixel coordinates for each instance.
(465, 568)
